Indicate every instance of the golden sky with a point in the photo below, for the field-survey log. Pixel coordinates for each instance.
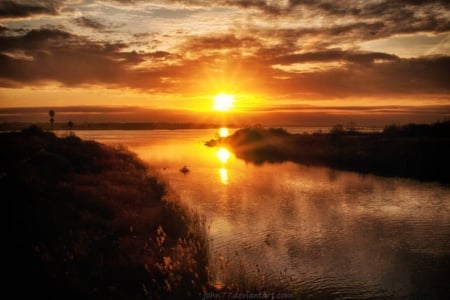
(273, 56)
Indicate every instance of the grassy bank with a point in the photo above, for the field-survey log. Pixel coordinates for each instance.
(415, 151)
(85, 220)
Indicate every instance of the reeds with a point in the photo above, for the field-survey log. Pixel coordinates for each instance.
(90, 221)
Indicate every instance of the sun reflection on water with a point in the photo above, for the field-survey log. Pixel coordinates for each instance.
(223, 155)
(223, 175)
(223, 132)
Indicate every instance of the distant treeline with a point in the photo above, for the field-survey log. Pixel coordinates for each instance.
(418, 151)
(14, 126)
(439, 129)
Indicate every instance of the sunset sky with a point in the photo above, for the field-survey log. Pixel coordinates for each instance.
(288, 60)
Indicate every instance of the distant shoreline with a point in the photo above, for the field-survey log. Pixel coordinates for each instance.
(63, 126)
(15, 126)
(417, 151)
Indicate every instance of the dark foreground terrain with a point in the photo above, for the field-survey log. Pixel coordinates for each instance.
(414, 151)
(87, 221)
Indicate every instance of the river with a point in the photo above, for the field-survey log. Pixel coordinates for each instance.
(313, 232)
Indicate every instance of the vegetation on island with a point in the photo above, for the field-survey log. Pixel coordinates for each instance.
(416, 150)
(89, 221)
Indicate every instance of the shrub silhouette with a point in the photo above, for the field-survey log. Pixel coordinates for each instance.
(51, 113)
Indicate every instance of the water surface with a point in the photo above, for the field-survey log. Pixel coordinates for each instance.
(311, 231)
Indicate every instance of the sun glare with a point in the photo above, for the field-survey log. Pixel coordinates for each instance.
(223, 102)
(223, 132)
(223, 154)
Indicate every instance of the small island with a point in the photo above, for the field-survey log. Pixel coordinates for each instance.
(89, 221)
(419, 151)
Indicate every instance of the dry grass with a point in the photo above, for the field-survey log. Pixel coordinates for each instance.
(89, 221)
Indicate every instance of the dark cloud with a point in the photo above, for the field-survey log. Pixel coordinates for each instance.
(19, 8)
(44, 55)
(175, 13)
(356, 73)
(89, 23)
(258, 4)
(219, 42)
(59, 56)
(399, 17)
(318, 39)
(395, 77)
(34, 40)
(405, 8)
(329, 7)
(340, 8)
(127, 1)
(335, 55)
(377, 18)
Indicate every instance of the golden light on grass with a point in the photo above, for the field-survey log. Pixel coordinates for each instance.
(223, 102)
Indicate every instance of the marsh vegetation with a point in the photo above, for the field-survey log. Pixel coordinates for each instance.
(85, 220)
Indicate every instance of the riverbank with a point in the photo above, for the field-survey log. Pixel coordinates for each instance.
(413, 151)
(85, 220)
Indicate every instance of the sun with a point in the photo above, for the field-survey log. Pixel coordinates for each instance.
(223, 102)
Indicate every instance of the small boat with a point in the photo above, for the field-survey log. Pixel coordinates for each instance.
(184, 170)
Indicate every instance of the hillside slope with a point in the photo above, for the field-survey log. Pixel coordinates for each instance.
(85, 220)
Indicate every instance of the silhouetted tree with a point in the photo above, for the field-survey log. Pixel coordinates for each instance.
(337, 133)
(392, 129)
(70, 126)
(51, 113)
(337, 129)
(351, 126)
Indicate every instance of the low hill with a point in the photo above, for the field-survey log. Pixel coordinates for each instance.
(85, 220)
